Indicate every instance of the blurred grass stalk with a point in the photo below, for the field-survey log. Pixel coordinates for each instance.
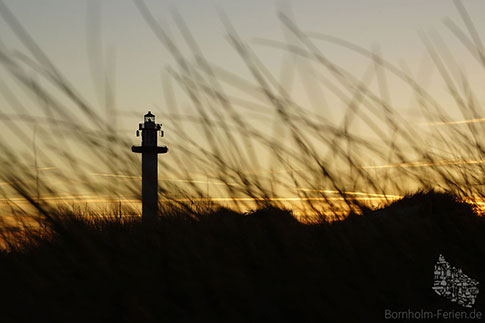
(316, 166)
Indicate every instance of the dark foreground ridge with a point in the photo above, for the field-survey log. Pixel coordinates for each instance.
(229, 267)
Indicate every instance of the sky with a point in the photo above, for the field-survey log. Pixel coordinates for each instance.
(60, 28)
(90, 41)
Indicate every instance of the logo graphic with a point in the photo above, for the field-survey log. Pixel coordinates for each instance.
(453, 284)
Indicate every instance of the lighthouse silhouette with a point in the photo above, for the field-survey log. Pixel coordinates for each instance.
(149, 164)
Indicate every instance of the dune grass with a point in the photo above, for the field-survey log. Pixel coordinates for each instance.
(285, 151)
(226, 266)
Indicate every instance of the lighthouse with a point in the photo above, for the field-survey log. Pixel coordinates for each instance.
(149, 151)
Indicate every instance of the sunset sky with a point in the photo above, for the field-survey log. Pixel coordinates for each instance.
(94, 43)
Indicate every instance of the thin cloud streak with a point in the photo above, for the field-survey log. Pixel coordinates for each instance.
(94, 198)
(450, 123)
(201, 181)
(351, 193)
(428, 164)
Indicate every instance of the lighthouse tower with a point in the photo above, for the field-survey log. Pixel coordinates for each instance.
(149, 164)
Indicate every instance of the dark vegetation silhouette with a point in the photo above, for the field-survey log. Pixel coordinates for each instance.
(202, 261)
(260, 266)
